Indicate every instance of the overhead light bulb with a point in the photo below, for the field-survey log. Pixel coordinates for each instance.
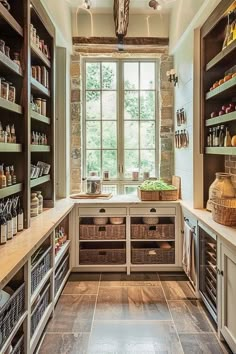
(158, 7)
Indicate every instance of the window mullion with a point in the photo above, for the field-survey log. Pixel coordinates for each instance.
(121, 119)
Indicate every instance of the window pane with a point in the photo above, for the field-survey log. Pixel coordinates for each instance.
(109, 162)
(93, 109)
(109, 105)
(147, 76)
(147, 105)
(131, 105)
(92, 76)
(131, 162)
(148, 161)
(107, 188)
(131, 132)
(131, 190)
(109, 76)
(93, 135)
(93, 159)
(131, 76)
(109, 135)
(147, 135)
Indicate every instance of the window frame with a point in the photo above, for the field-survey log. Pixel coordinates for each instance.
(120, 181)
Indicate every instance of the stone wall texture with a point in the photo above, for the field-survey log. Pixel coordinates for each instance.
(166, 117)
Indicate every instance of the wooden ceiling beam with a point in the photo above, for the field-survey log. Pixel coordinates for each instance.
(138, 41)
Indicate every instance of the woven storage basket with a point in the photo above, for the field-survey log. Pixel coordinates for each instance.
(61, 272)
(102, 254)
(145, 254)
(105, 232)
(11, 312)
(224, 211)
(158, 232)
(40, 268)
(39, 310)
(158, 195)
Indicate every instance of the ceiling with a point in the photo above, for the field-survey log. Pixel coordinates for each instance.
(136, 6)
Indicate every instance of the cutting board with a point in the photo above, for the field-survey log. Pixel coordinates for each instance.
(176, 181)
(90, 196)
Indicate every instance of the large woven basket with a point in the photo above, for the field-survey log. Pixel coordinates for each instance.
(146, 254)
(224, 211)
(158, 195)
(158, 232)
(102, 253)
(105, 232)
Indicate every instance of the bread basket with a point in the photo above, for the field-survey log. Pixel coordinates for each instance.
(224, 211)
(100, 220)
(150, 220)
(117, 220)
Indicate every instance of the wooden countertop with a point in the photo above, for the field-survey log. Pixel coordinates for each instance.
(15, 252)
(225, 232)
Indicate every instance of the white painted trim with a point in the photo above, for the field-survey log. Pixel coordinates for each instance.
(201, 16)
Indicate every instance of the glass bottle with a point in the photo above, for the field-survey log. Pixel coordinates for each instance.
(40, 198)
(14, 218)
(213, 136)
(8, 131)
(7, 51)
(17, 58)
(20, 217)
(227, 140)
(3, 229)
(8, 176)
(34, 205)
(3, 180)
(222, 187)
(13, 134)
(2, 46)
(13, 176)
(9, 222)
(221, 136)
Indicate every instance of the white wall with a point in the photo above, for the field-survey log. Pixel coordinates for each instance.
(102, 25)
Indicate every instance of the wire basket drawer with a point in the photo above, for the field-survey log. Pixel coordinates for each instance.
(40, 268)
(61, 272)
(39, 309)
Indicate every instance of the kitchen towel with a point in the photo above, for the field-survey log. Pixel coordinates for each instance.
(189, 252)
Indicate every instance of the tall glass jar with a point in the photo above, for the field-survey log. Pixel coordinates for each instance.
(222, 187)
(40, 198)
(34, 205)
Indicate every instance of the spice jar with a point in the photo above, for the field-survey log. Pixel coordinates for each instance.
(7, 51)
(37, 41)
(2, 46)
(43, 107)
(4, 89)
(34, 35)
(38, 103)
(34, 72)
(40, 198)
(222, 187)
(12, 93)
(34, 205)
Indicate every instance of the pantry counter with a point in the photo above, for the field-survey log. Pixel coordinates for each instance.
(15, 252)
(225, 232)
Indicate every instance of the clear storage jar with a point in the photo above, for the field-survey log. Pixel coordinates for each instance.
(4, 89)
(222, 187)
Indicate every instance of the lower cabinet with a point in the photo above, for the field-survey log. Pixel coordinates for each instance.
(227, 295)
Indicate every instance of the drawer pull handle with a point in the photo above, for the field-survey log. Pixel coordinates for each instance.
(153, 210)
(102, 253)
(102, 228)
(102, 210)
(152, 228)
(152, 253)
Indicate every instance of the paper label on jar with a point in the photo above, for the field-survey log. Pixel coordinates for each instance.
(4, 233)
(9, 230)
(14, 226)
(20, 218)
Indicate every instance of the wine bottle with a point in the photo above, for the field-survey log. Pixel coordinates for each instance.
(20, 217)
(14, 216)
(9, 221)
(3, 228)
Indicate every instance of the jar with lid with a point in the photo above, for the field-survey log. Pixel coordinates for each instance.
(2, 46)
(40, 198)
(222, 187)
(4, 89)
(34, 205)
(12, 93)
(16, 58)
(43, 106)
(7, 51)
(94, 184)
(38, 103)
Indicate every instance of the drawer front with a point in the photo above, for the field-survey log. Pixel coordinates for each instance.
(152, 211)
(101, 211)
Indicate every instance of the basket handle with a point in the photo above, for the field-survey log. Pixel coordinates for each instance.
(102, 210)
(102, 253)
(152, 228)
(152, 210)
(101, 228)
(152, 253)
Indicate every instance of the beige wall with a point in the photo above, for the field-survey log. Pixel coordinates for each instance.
(102, 25)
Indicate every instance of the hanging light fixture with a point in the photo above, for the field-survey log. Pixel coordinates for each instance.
(154, 4)
(87, 4)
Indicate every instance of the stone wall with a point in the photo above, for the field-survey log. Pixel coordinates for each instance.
(166, 124)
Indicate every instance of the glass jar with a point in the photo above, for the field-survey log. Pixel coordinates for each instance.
(16, 58)
(2, 46)
(222, 187)
(34, 205)
(7, 51)
(12, 93)
(4, 89)
(37, 41)
(38, 103)
(43, 106)
(94, 185)
(40, 198)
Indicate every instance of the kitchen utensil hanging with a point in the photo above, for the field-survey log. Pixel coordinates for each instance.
(181, 139)
(180, 116)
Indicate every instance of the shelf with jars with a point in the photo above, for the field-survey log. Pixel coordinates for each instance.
(5, 14)
(38, 88)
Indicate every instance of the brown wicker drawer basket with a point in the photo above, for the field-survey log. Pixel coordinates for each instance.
(158, 195)
(158, 232)
(152, 254)
(104, 232)
(224, 211)
(102, 253)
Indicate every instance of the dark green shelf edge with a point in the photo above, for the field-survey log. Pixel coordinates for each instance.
(221, 150)
(221, 119)
(40, 148)
(10, 65)
(6, 147)
(10, 106)
(37, 181)
(10, 20)
(40, 55)
(40, 117)
(37, 86)
(222, 88)
(220, 56)
(6, 192)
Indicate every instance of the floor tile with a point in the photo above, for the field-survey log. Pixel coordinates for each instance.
(82, 284)
(129, 303)
(74, 314)
(135, 279)
(200, 343)
(189, 316)
(177, 287)
(120, 337)
(76, 343)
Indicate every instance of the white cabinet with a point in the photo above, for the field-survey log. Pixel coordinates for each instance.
(227, 294)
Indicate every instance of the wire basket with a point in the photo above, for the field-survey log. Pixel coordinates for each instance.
(40, 308)
(61, 272)
(40, 268)
(224, 211)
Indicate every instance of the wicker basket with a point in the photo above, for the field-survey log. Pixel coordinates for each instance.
(105, 232)
(61, 272)
(224, 211)
(40, 268)
(18, 348)
(102, 253)
(158, 232)
(170, 195)
(11, 312)
(150, 254)
(39, 309)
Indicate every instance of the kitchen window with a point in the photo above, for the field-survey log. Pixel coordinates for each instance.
(120, 120)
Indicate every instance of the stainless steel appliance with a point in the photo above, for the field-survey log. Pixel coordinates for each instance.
(208, 269)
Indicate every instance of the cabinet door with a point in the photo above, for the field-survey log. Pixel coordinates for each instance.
(228, 297)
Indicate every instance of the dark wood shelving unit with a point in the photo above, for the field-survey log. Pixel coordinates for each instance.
(38, 181)
(6, 147)
(38, 88)
(230, 117)
(6, 15)
(8, 191)
(40, 148)
(40, 117)
(8, 66)
(223, 91)
(222, 58)
(10, 106)
(221, 150)
(36, 53)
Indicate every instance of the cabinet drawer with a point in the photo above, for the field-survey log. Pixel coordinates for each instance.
(101, 211)
(152, 211)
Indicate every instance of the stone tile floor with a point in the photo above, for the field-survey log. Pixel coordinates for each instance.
(118, 314)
